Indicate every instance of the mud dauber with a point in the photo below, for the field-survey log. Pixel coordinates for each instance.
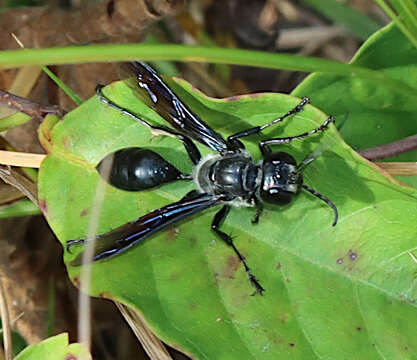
(228, 178)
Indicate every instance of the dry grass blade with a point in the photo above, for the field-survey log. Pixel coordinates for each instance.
(26, 186)
(399, 168)
(14, 158)
(152, 345)
(301, 37)
(84, 302)
(7, 333)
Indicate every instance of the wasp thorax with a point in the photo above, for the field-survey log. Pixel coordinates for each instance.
(234, 175)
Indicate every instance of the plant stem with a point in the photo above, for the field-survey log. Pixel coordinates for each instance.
(391, 149)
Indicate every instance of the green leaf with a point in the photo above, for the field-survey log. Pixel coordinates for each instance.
(376, 116)
(331, 292)
(54, 348)
(12, 121)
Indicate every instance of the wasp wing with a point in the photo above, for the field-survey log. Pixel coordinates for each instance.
(154, 92)
(124, 237)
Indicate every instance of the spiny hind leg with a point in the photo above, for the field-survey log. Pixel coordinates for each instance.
(215, 226)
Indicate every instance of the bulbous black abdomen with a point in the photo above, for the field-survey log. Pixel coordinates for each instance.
(136, 169)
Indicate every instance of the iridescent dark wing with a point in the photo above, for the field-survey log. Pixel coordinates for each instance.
(154, 92)
(124, 237)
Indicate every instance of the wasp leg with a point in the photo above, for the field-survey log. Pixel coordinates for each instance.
(70, 243)
(258, 129)
(264, 145)
(235, 145)
(326, 200)
(190, 147)
(216, 223)
(258, 211)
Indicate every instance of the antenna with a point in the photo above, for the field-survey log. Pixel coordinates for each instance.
(326, 200)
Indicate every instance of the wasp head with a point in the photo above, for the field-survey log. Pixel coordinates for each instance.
(281, 179)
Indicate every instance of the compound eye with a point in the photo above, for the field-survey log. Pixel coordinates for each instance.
(276, 196)
(282, 157)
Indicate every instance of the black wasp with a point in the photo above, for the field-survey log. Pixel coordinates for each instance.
(228, 178)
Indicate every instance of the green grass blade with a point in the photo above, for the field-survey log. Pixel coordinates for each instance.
(123, 52)
(72, 95)
(412, 7)
(397, 20)
(22, 207)
(409, 16)
(12, 121)
(359, 24)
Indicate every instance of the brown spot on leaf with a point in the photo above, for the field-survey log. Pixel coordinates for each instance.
(71, 357)
(84, 212)
(279, 266)
(193, 241)
(232, 98)
(105, 295)
(353, 255)
(43, 206)
(216, 278)
(175, 275)
(76, 281)
(359, 328)
(277, 340)
(339, 261)
(232, 266)
(66, 142)
(218, 319)
(172, 233)
(283, 317)
(292, 344)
